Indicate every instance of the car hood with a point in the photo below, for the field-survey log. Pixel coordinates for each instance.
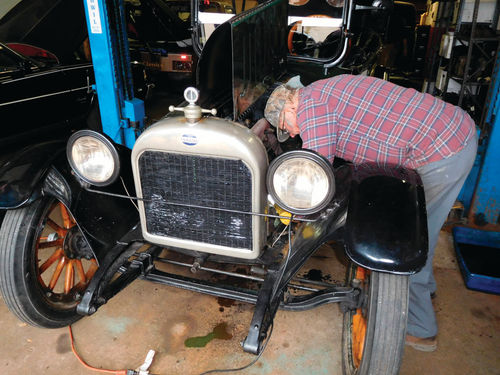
(55, 25)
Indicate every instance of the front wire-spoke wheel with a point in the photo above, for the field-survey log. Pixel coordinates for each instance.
(45, 264)
(374, 334)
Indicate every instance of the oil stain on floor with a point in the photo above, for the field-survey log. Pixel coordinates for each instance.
(219, 332)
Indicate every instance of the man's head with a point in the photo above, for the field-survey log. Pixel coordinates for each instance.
(281, 111)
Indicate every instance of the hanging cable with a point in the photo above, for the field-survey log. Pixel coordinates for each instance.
(248, 365)
(283, 268)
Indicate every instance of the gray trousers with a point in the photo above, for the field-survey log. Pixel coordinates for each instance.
(442, 182)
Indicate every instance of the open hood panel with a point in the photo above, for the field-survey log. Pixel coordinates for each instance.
(259, 51)
(257, 41)
(55, 25)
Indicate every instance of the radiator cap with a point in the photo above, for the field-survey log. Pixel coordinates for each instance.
(192, 112)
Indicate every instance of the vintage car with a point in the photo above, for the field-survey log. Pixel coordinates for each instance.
(40, 95)
(53, 25)
(222, 194)
(41, 100)
(44, 100)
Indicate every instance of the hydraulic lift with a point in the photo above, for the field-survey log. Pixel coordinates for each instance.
(485, 204)
(478, 243)
(122, 114)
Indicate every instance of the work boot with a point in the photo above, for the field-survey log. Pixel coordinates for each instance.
(428, 344)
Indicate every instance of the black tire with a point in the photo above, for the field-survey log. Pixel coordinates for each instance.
(383, 315)
(23, 276)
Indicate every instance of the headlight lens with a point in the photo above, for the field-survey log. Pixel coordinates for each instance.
(93, 157)
(301, 181)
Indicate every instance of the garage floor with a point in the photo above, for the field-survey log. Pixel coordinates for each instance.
(149, 316)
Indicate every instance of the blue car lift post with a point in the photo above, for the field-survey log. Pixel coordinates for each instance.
(478, 243)
(122, 115)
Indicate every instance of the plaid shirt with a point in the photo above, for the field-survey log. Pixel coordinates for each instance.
(365, 119)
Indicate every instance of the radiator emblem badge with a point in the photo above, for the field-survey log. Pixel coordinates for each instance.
(189, 139)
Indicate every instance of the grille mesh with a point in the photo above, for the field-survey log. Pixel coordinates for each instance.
(201, 181)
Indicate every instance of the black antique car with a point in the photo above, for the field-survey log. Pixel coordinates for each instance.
(39, 96)
(41, 100)
(86, 219)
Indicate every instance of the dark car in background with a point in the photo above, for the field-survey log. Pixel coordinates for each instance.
(46, 80)
(41, 101)
(39, 97)
(46, 71)
(57, 26)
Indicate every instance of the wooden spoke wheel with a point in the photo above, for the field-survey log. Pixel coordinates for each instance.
(61, 277)
(374, 334)
(45, 263)
(358, 323)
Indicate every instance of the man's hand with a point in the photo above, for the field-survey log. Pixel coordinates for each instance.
(260, 127)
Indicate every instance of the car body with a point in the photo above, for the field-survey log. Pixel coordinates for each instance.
(40, 100)
(54, 25)
(39, 96)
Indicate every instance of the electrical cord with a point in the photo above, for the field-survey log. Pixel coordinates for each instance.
(115, 372)
(249, 364)
(125, 372)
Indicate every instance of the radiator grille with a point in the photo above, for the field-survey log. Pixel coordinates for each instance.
(201, 181)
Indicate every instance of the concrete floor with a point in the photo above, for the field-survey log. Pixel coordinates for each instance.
(148, 316)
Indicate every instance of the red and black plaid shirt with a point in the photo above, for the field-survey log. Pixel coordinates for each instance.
(365, 119)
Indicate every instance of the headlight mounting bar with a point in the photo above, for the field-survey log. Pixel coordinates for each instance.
(295, 218)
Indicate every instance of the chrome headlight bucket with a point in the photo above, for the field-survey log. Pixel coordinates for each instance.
(93, 157)
(301, 182)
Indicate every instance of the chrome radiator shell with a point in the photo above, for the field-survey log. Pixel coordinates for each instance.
(215, 140)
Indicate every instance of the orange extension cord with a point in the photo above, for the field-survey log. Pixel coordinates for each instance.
(116, 372)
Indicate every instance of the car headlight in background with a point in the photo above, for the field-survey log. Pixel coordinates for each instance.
(93, 157)
(301, 181)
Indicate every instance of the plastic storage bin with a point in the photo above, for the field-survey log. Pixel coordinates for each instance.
(478, 254)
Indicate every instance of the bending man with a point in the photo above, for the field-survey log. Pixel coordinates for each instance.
(365, 119)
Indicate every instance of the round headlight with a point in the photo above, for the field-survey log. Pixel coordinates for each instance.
(301, 181)
(93, 157)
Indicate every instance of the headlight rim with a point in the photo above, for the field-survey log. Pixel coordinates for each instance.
(109, 145)
(325, 165)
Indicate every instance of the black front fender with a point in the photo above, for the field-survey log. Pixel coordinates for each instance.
(103, 219)
(386, 226)
(22, 172)
(43, 169)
